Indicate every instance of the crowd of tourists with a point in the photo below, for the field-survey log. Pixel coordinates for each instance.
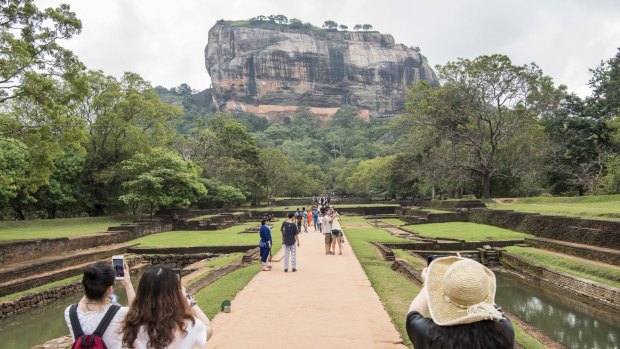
(455, 307)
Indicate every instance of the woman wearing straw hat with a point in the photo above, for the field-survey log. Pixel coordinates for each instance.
(459, 295)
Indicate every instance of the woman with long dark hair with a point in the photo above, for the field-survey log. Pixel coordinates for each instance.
(164, 315)
(459, 295)
(98, 283)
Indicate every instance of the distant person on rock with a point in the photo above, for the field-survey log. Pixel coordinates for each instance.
(290, 238)
(459, 295)
(164, 314)
(265, 244)
(98, 283)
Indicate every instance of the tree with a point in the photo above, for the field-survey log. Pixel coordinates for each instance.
(160, 179)
(281, 19)
(343, 27)
(367, 27)
(372, 177)
(329, 24)
(277, 171)
(483, 107)
(357, 27)
(16, 185)
(220, 195)
(605, 84)
(295, 23)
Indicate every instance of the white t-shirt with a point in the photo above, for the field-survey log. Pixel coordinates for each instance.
(89, 321)
(196, 337)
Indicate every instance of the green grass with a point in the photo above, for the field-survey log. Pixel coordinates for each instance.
(417, 263)
(54, 228)
(228, 236)
(591, 271)
(526, 341)
(466, 231)
(596, 207)
(395, 291)
(393, 221)
(41, 288)
(210, 297)
(217, 263)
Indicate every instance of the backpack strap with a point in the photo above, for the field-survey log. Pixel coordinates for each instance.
(75, 322)
(107, 318)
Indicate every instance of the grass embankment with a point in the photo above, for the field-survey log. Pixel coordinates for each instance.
(596, 207)
(417, 263)
(591, 271)
(55, 228)
(395, 291)
(393, 221)
(224, 237)
(467, 231)
(41, 288)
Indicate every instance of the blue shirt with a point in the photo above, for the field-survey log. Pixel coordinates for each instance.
(265, 234)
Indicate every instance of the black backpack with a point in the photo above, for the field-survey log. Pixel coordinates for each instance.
(95, 340)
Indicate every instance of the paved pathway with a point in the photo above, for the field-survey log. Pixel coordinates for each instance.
(327, 303)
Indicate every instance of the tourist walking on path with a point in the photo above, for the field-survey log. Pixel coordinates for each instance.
(327, 230)
(298, 219)
(164, 315)
(315, 218)
(459, 294)
(265, 244)
(310, 218)
(337, 234)
(290, 237)
(304, 217)
(98, 283)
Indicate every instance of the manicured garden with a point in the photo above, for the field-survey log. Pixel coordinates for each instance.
(608, 275)
(595, 207)
(59, 227)
(228, 236)
(466, 231)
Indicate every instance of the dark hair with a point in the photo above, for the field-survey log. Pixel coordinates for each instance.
(159, 306)
(262, 222)
(476, 335)
(303, 208)
(291, 215)
(98, 277)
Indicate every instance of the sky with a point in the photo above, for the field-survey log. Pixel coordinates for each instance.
(164, 40)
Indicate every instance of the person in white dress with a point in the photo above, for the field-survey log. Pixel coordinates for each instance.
(98, 282)
(164, 315)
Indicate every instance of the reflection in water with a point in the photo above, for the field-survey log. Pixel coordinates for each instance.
(39, 325)
(570, 326)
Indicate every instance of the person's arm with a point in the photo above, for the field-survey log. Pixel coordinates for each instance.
(131, 293)
(420, 302)
(297, 239)
(269, 236)
(200, 315)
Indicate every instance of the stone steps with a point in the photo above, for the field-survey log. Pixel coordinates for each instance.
(59, 262)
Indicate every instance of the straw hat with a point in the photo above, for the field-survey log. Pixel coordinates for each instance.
(460, 291)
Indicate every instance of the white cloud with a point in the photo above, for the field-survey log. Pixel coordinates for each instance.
(164, 40)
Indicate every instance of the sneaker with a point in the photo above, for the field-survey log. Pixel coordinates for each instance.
(265, 269)
(294, 270)
(340, 252)
(286, 270)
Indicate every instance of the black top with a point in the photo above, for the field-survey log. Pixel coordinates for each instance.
(289, 230)
(418, 328)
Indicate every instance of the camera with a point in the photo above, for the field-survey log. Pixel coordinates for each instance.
(432, 257)
(118, 262)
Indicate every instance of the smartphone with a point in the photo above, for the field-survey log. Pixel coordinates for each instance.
(432, 257)
(118, 262)
(178, 272)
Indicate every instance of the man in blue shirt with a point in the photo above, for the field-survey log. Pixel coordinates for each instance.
(265, 244)
(290, 237)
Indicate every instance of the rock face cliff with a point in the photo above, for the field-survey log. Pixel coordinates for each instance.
(271, 71)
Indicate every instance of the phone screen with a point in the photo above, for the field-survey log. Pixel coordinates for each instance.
(119, 268)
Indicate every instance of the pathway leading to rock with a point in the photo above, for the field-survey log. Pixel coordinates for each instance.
(327, 303)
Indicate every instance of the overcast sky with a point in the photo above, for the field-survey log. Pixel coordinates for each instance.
(164, 40)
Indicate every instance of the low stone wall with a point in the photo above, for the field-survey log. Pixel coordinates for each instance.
(570, 229)
(436, 218)
(592, 292)
(190, 250)
(27, 302)
(367, 210)
(599, 254)
(407, 271)
(26, 250)
(176, 261)
(385, 251)
(451, 246)
(449, 204)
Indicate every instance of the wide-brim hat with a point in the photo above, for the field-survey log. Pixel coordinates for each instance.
(460, 291)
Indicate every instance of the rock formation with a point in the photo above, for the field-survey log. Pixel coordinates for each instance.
(270, 70)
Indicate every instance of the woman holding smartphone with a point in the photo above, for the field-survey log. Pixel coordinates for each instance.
(98, 282)
(164, 315)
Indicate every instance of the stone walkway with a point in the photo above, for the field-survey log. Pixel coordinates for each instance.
(327, 303)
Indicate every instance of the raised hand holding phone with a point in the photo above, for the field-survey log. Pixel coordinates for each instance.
(118, 263)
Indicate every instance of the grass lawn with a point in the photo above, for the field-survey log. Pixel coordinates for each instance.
(395, 291)
(210, 297)
(466, 231)
(592, 271)
(596, 207)
(228, 236)
(41, 288)
(54, 228)
(393, 221)
(417, 263)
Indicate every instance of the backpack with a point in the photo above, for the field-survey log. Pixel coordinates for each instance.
(299, 217)
(95, 340)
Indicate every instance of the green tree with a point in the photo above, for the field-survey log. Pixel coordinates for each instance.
(329, 24)
(160, 179)
(16, 183)
(220, 195)
(295, 23)
(373, 177)
(278, 171)
(367, 27)
(343, 27)
(357, 27)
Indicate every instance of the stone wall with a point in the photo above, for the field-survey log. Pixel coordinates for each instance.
(26, 250)
(599, 254)
(451, 246)
(176, 261)
(9, 308)
(589, 291)
(191, 250)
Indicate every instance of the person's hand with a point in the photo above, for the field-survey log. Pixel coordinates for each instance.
(297, 243)
(127, 277)
(423, 275)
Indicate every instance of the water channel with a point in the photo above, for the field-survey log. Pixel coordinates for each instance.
(565, 323)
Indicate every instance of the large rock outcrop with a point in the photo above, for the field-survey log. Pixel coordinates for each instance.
(271, 70)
